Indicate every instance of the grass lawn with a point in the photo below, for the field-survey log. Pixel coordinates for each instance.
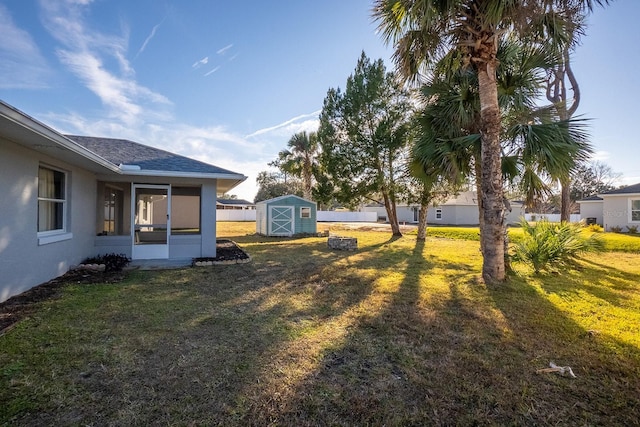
(396, 333)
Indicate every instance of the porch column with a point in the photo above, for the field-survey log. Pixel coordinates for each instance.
(208, 218)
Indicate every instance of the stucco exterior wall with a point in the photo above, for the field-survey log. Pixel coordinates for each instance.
(24, 260)
(616, 212)
(592, 209)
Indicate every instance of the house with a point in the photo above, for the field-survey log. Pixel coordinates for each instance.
(235, 204)
(286, 216)
(71, 197)
(461, 209)
(615, 209)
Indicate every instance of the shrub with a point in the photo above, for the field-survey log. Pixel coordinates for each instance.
(632, 229)
(595, 228)
(547, 244)
(112, 262)
(615, 229)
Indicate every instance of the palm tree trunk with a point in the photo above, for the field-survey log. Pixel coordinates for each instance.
(492, 205)
(478, 170)
(307, 191)
(565, 200)
(422, 223)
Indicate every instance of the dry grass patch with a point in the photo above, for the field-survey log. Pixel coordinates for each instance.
(397, 333)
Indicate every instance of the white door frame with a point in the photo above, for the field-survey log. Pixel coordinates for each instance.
(278, 229)
(149, 250)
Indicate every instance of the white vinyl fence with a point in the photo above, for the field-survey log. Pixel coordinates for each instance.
(333, 216)
(322, 216)
(235, 214)
(550, 217)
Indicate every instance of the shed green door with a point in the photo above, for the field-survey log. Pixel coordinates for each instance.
(281, 220)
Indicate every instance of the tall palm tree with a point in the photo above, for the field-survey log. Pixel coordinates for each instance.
(299, 159)
(535, 143)
(422, 30)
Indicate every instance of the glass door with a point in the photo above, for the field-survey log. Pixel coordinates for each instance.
(151, 222)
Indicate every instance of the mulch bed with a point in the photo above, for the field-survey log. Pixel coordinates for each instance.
(226, 250)
(20, 306)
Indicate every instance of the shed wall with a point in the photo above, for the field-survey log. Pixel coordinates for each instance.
(301, 225)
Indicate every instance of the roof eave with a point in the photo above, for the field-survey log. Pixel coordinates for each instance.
(619, 194)
(29, 123)
(176, 174)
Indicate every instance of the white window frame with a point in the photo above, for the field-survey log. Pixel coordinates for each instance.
(631, 210)
(57, 235)
(438, 214)
(305, 209)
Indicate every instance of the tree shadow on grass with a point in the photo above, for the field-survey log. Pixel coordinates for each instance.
(391, 367)
(470, 358)
(605, 282)
(605, 390)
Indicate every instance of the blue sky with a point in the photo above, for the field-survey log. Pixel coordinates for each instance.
(229, 82)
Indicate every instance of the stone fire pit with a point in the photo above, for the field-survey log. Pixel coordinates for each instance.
(343, 243)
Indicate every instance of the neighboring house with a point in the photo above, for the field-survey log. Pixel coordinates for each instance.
(235, 204)
(286, 216)
(461, 209)
(70, 197)
(617, 208)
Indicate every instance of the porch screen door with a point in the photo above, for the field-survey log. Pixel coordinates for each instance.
(151, 222)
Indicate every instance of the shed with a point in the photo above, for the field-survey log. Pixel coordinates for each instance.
(285, 216)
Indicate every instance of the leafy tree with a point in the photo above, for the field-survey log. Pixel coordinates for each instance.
(470, 31)
(362, 135)
(591, 179)
(272, 185)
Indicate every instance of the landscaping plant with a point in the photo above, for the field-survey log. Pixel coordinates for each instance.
(112, 262)
(546, 244)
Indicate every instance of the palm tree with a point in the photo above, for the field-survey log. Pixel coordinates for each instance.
(299, 159)
(536, 145)
(422, 30)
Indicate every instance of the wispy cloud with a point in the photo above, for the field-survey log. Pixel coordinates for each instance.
(213, 70)
(201, 62)
(149, 37)
(87, 52)
(291, 126)
(224, 49)
(22, 66)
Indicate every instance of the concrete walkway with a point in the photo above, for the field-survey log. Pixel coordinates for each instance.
(158, 264)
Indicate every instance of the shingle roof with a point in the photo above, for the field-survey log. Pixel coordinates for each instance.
(122, 151)
(234, 202)
(629, 189)
(591, 199)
